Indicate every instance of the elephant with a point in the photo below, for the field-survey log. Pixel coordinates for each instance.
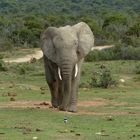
(64, 49)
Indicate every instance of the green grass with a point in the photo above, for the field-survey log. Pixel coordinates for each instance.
(20, 124)
(122, 103)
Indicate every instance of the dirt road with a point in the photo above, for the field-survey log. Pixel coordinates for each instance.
(38, 54)
(102, 47)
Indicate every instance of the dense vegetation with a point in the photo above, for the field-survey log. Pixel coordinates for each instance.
(113, 22)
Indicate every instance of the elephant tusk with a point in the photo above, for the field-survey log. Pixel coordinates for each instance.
(76, 70)
(59, 73)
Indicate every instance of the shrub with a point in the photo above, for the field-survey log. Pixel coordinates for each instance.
(106, 79)
(1, 56)
(137, 69)
(5, 45)
(103, 78)
(3, 66)
(131, 40)
(24, 68)
(120, 51)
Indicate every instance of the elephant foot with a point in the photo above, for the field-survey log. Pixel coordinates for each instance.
(54, 104)
(72, 108)
(62, 108)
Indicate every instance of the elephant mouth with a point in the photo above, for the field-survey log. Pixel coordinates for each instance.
(75, 70)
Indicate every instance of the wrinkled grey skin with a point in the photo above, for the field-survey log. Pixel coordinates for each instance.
(63, 48)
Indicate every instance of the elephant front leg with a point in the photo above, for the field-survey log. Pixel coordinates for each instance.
(60, 92)
(54, 94)
(51, 78)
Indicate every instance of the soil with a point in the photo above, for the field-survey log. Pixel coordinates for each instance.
(47, 105)
(28, 58)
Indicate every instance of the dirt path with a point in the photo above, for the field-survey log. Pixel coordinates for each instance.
(82, 111)
(102, 47)
(38, 55)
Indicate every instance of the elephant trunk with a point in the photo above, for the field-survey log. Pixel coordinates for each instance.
(66, 72)
(67, 92)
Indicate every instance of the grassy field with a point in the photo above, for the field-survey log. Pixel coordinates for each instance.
(104, 114)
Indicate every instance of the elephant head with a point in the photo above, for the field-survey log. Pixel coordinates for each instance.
(66, 46)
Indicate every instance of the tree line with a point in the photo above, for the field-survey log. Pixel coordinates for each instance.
(112, 22)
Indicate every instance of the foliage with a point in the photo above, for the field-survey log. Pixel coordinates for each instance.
(120, 51)
(134, 30)
(22, 22)
(103, 78)
(5, 44)
(24, 68)
(137, 69)
(2, 66)
(1, 56)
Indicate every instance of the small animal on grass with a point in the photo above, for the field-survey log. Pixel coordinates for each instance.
(64, 49)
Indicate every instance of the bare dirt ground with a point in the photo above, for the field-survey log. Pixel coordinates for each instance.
(38, 55)
(102, 47)
(47, 105)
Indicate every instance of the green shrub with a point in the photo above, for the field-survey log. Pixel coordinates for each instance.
(106, 79)
(132, 40)
(137, 69)
(103, 78)
(24, 68)
(1, 56)
(120, 51)
(5, 45)
(3, 66)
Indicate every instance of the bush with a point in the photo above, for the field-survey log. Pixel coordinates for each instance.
(120, 51)
(1, 56)
(5, 45)
(103, 78)
(131, 40)
(137, 69)
(3, 66)
(24, 68)
(106, 79)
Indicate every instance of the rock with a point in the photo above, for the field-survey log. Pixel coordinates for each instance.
(34, 138)
(110, 118)
(44, 103)
(122, 80)
(12, 99)
(78, 134)
(38, 130)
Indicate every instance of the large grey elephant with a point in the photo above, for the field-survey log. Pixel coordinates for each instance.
(64, 50)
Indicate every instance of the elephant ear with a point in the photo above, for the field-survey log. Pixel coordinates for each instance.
(85, 39)
(47, 44)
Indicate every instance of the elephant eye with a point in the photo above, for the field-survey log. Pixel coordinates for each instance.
(78, 52)
(75, 43)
